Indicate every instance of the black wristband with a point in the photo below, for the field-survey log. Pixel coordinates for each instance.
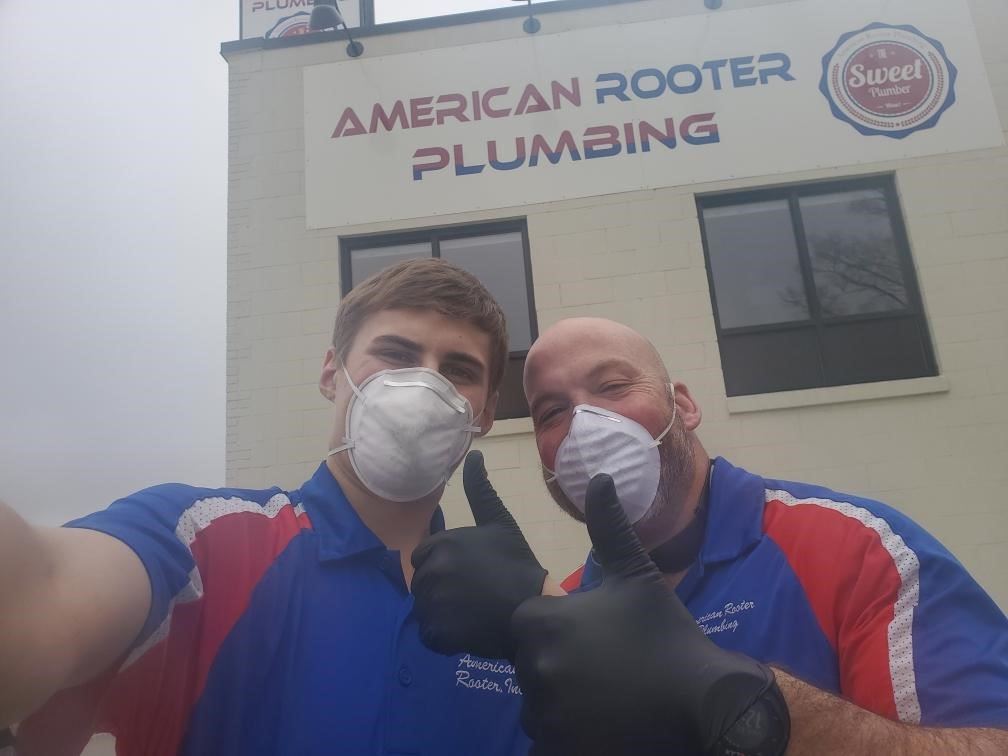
(763, 729)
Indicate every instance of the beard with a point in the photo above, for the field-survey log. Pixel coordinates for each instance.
(678, 461)
(677, 457)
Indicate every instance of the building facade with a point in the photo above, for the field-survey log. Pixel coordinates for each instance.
(804, 205)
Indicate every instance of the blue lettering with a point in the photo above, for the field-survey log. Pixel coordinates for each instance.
(783, 68)
(740, 70)
(618, 90)
(644, 73)
(691, 71)
(596, 139)
(508, 165)
(461, 169)
(715, 66)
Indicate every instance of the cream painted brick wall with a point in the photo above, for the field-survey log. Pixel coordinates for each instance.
(637, 257)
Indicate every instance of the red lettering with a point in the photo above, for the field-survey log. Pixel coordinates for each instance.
(531, 101)
(441, 159)
(539, 145)
(699, 128)
(348, 125)
(572, 95)
(420, 112)
(489, 109)
(457, 111)
(668, 137)
(388, 120)
(605, 144)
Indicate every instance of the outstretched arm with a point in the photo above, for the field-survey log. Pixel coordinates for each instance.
(825, 724)
(71, 602)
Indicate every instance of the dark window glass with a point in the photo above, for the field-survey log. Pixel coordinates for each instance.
(852, 247)
(498, 261)
(754, 262)
(367, 261)
(813, 286)
(497, 254)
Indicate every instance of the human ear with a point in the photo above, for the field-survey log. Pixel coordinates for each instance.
(487, 415)
(689, 411)
(330, 369)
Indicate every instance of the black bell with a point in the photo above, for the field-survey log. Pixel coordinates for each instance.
(325, 15)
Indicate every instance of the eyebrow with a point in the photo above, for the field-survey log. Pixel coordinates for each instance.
(617, 363)
(593, 374)
(409, 345)
(396, 341)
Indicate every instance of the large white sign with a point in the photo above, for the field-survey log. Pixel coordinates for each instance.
(287, 18)
(743, 93)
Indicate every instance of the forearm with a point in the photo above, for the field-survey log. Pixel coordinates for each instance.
(22, 560)
(825, 724)
(23, 568)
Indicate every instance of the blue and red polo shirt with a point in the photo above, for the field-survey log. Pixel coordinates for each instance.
(847, 594)
(279, 623)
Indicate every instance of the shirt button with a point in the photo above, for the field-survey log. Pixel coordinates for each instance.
(405, 676)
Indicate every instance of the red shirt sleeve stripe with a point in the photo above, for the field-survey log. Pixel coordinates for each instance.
(862, 585)
(572, 581)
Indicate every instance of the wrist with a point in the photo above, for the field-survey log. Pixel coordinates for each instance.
(762, 729)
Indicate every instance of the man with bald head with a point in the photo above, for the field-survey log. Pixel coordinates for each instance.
(605, 364)
(718, 612)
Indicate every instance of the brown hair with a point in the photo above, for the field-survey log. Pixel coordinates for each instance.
(429, 284)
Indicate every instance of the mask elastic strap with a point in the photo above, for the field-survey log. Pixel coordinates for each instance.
(352, 384)
(668, 427)
(347, 444)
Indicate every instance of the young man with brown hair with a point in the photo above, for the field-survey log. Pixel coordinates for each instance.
(245, 622)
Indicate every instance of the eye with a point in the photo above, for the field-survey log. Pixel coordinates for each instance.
(550, 413)
(457, 373)
(395, 355)
(612, 387)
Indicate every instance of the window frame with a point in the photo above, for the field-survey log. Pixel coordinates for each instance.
(792, 193)
(435, 235)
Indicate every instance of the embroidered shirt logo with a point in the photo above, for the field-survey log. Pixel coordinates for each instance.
(724, 619)
(493, 675)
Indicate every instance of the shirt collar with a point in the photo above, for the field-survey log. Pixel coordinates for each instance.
(342, 533)
(734, 520)
(735, 515)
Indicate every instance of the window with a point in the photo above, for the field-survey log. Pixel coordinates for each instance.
(497, 254)
(813, 286)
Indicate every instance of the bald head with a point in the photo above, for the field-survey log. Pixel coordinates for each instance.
(604, 364)
(596, 339)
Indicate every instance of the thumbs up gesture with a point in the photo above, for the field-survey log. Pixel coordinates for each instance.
(623, 668)
(468, 581)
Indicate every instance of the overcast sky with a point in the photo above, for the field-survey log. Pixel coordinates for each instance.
(113, 181)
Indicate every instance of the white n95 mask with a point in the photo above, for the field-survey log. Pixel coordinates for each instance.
(600, 441)
(406, 431)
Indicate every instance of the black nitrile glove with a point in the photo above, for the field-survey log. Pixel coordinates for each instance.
(468, 581)
(623, 668)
